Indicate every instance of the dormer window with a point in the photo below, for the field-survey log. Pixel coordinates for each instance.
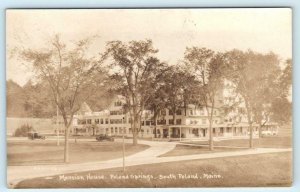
(118, 103)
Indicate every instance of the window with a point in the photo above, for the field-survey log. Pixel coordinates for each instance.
(111, 130)
(89, 121)
(116, 112)
(170, 112)
(161, 122)
(116, 129)
(116, 121)
(106, 121)
(163, 112)
(118, 103)
(201, 112)
(97, 121)
(178, 121)
(240, 119)
(81, 121)
(101, 121)
(195, 132)
(191, 112)
(179, 112)
(171, 122)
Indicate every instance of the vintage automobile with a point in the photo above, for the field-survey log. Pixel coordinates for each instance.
(104, 137)
(35, 135)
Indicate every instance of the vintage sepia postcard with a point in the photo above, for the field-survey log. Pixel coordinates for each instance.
(117, 98)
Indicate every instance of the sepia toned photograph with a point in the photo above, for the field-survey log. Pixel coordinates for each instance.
(149, 98)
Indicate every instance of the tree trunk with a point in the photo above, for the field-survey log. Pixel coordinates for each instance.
(135, 142)
(66, 150)
(260, 131)
(259, 120)
(174, 120)
(251, 136)
(250, 123)
(155, 126)
(211, 141)
(174, 117)
(135, 131)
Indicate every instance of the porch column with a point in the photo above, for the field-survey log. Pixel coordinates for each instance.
(179, 133)
(169, 133)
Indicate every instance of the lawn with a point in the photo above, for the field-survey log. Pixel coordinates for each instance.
(192, 150)
(255, 170)
(269, 142)
(47, 152)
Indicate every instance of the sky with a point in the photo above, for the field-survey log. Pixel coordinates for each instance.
(171, 30)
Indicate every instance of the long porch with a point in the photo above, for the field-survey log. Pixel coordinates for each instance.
(219, 132)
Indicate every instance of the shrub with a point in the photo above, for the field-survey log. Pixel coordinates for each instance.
(23, 130)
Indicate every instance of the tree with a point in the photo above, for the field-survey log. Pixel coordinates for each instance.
(285, 79)
(253, 75)
(267, 88)
(158, 99)
(281, 110)
(71, 74)
(134, 70)
(209, 70)
(23, 130)
(14, 100)
(174, 81)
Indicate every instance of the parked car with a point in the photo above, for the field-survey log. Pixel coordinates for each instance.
(35, 135)
(104, 137)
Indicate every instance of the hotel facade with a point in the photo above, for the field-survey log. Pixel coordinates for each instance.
(191, 123)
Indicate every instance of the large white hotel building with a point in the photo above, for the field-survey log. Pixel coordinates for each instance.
(190, 123)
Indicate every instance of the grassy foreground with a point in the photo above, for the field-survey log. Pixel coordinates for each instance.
(47, 152)
(229, 145)
(255, 170)
(180, 150)
(268, 142)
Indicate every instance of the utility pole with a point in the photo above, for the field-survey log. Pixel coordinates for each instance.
(57, 122)
(123, 132)
(151, 130)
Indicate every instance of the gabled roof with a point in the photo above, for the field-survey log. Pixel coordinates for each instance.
(85, 108)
